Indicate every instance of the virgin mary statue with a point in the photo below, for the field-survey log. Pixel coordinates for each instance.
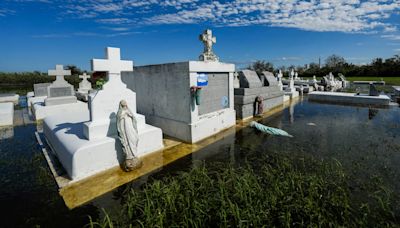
(128, 135)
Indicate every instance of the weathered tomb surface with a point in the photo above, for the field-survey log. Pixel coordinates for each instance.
(84, 87)
(60, 91)
(6, 114)
(86, 142)
(14, 98)
(349, 98)
(60, 97)
(252, 87)
(164, 96)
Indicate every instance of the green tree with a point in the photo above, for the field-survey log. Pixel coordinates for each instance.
(260, 65)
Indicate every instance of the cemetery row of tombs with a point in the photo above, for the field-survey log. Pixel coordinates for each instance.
(92, 130)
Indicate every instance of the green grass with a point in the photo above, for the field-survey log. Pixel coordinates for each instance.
(279, 191)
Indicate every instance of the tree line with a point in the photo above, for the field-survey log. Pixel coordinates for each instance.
(336, 64)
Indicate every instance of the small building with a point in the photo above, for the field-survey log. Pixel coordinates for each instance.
(188, 100)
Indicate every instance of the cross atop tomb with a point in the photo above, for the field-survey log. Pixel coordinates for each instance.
(208, 40)
(113, 63)
(59, 72)
(84, 76)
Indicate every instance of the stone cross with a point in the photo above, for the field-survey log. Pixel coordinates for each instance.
(208, 40)
(84, 77)
(59, 72)
(113, 64)
(292, 73)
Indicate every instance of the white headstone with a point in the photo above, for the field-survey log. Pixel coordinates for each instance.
(104, 104)
(85, 85)
(60, 91)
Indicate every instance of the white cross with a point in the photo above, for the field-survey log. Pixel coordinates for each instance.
(208, 40)
(59, 72)
(113, 63)
(84, 76)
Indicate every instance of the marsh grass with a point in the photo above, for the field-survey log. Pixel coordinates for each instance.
(278, 191)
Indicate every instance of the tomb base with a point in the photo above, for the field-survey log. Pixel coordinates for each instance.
(41, 111)
(60, 100)
(349, 98)
(292, 94)
(9, 98)
(81, 157)
(82, 95)
(31, 100)
(245, 100)
(6, 114)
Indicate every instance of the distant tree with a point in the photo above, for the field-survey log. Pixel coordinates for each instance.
(335, 61)
(260, 65)
(74, 69)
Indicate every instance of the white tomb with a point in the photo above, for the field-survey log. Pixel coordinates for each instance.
(189, 100)
(60, 97)
(38, 95)
(86, 142)
(84, 87)
(9, 98)
(6, 114)
(290, 91)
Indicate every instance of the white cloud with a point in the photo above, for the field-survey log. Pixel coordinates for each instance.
(313, 15)
(391, 37)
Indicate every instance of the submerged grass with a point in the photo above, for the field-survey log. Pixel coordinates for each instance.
(278, 191)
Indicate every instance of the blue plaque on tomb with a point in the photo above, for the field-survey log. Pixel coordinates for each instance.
(202, 79)
(225, 102)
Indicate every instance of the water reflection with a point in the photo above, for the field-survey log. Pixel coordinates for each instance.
(29, 196)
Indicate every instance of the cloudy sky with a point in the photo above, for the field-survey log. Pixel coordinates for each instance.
(37, 34)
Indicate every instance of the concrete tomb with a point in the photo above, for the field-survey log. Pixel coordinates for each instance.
(290, 90)
(14, 98)
(60, 97)
(84, 87)
(38, 95)
(253, 95)
(86, 142)
(349, 98)
(6, 114)
(188, 100)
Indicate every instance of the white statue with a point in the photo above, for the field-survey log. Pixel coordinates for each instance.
(128, 135)
(296, 76)
(291, 74)
(208, 41)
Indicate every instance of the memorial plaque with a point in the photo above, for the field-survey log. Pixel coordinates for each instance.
(40, 89)
(215, 96)
(60, 91)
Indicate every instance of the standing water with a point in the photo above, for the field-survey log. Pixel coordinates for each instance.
(364, 141)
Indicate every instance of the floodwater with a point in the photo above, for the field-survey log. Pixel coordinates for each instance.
(361, 137)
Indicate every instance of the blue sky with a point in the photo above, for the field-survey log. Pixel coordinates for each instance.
(37, 34)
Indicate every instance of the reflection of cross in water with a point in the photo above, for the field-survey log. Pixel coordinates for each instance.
(84, 77)
(208, 40)
(59, 72)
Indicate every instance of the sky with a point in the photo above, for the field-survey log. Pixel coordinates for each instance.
(38, 34)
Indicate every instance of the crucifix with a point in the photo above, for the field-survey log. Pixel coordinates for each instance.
(59, 72)
(208, 40)
(84, 77)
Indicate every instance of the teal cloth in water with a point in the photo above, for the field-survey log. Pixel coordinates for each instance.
(269, 130)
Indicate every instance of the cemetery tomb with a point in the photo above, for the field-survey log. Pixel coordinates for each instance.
(9, 98)
(166, 95)
(86, 142)
(251, 89)
(60, 97)
(38, 95)
(349, 98)
(6, 114)
(84, 87)
(188, 100)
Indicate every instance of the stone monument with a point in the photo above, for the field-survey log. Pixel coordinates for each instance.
(60, 91)
(208, 40)
(279, 78)
(84, 87)
(253, 96)
(87, 142)
(189, 100)
(290, 89)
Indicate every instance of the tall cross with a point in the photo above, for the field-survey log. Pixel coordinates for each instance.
(84, 76)
(208, 40)
(112, 64)
(59, 72)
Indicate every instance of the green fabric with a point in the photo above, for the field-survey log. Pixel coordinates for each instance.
(269, 130)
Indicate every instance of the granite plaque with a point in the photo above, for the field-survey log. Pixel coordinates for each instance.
(60, 91)
(40, 89)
